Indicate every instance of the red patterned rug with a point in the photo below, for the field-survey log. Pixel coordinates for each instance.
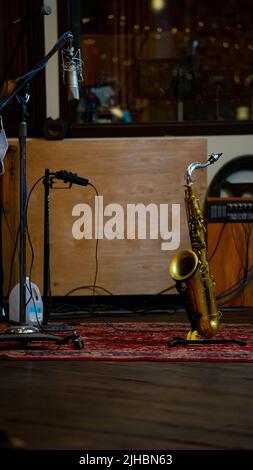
(137, 342)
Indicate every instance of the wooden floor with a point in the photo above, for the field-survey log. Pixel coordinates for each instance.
(140, 405)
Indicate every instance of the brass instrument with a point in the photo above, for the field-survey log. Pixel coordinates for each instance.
(190, 268)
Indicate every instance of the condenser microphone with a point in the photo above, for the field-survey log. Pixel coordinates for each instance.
(72, 66)
(44, 10)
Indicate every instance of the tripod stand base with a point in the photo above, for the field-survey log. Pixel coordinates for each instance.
(22, 329)
(26, 334)
(184, 342)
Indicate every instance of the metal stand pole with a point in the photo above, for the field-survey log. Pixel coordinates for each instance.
(46, 274)
(46, 264)
(22, 272)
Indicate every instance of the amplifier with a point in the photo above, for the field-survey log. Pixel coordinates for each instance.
(229, 210)
(230, 245)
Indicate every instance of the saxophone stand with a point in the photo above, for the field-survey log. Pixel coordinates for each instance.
(192, 336)
(26, 333)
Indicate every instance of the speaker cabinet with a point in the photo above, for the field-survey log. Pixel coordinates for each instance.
(230, 249)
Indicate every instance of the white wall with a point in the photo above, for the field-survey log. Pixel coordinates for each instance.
(231, 146)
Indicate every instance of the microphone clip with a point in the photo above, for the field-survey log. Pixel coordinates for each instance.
(72, 60)
(68, 178)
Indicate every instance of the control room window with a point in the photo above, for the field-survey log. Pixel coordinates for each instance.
(157, 61)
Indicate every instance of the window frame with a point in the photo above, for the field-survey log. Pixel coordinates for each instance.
(37, 103)
(152, 129)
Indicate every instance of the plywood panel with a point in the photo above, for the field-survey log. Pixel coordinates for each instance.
(10, 210)
(136, 170)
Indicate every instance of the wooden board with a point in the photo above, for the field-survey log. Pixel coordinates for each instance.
(136, 170)
(9, 194)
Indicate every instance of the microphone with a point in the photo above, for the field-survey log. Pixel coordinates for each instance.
(45, 10)
(71, 178)
(72, 66)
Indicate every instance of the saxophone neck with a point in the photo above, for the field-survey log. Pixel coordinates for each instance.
(197, 165)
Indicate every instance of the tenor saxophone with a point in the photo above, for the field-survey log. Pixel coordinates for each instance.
(190, 268)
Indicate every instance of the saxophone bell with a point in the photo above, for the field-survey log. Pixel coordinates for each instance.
(183, 265)
(185, 270)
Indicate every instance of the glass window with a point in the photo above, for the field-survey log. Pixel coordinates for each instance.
(164, 61)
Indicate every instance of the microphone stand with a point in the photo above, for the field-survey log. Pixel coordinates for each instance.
(23, 332)
(48, 181)
(23, 98)
(46, 265)
(25, 29)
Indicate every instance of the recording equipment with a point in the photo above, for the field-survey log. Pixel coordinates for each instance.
(71, 178)
(72, 65)
(229, 210)
(230, 248)
(44, 10)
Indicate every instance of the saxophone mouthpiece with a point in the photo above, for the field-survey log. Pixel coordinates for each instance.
(214, 157)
